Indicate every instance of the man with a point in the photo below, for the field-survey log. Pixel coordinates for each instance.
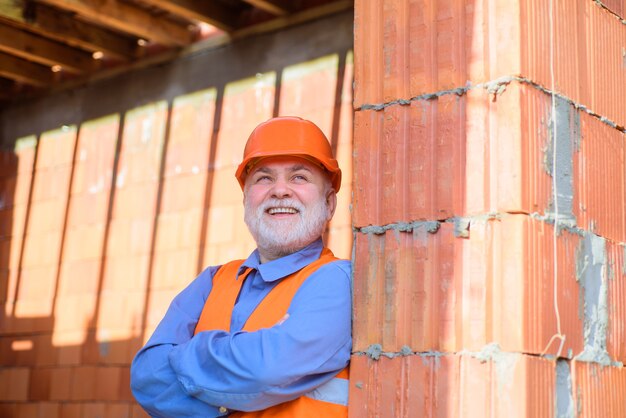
(269, 336)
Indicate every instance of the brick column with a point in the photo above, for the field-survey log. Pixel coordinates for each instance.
(489, 209)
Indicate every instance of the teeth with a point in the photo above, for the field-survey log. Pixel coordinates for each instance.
(273, 211)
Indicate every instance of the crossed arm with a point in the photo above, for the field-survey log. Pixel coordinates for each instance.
(177, 374)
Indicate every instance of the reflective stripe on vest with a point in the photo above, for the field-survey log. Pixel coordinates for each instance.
(334, 391)
(328, 400)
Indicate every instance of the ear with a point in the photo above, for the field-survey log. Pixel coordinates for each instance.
(331, 202)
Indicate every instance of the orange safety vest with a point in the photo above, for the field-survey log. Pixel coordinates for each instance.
(217, 313)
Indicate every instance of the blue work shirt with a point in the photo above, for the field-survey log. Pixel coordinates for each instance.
(177, 374)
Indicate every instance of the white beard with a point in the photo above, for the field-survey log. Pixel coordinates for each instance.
(282, 237)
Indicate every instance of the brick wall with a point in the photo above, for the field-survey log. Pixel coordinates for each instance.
(103, 219)
(478, 124)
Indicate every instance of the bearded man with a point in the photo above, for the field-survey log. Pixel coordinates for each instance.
(269, 336)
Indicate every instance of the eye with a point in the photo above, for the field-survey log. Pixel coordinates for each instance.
(300, 178)
(262, 178)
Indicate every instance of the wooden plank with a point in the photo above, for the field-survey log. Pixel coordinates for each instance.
(27, 72)
(66, 27)
(39, 49)
(294, 19)
(275, 7)
(128, 18)
(211, 12)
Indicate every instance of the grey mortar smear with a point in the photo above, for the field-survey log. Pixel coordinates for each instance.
(497, 86)
(591, 260)
(564, 136)
(564, 397)
(429, 226)
(505, 363)
(374, 352)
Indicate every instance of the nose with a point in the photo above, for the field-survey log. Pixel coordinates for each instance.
(281, 189)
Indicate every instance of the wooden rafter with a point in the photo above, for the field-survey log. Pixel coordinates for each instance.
(66, 27)
(275, 7)
(44, 51)
(211, 12)
(128, 18)
(25, 71)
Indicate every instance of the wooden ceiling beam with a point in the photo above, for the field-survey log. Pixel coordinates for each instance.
(44, 51)
(275, 7)
(66, 27)
(27, 72)
(128, 18)
(211, 12)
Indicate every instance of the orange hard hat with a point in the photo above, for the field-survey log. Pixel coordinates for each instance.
(289, 135)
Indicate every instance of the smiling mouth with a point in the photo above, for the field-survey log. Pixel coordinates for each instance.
(280, 211)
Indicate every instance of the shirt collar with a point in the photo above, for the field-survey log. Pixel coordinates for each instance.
(284, 266)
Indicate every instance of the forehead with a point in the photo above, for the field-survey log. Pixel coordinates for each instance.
(286, 163)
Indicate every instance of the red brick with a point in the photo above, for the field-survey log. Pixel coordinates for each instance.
(385, 301)
(117, 410)
(37, 283)
(9, 409)
(190, 132)
(113, 347)
(56, 147)
(437, 292)
(599, 390)
(129, 237)
(124, 392)
(25, 151)
(48, 410)
(600, 179)
(87, 209)
(225, 190)
(71, 410)
(246, 103)
(174, 269)
(588, 47)
(135, 201)
(46, 216)
(140, 156)
(407, 48)
(616, 6)
(50, 183)
(108, 378)
(46, 352)
(616, 283)
(452, 385)
(83, 383)
(40, 383)
(73, 313)
(68, 347)
(183, 192)
(119, 269)
(14, 383)
(83, 242)
(79, 277)
(93, 409)
(310, 86)
(120, 311)
(27, 410)
(138, 412)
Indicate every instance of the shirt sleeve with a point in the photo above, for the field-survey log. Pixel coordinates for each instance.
(153, 382)
(250, 371)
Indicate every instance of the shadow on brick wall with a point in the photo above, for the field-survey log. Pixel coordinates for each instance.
(104, 221)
